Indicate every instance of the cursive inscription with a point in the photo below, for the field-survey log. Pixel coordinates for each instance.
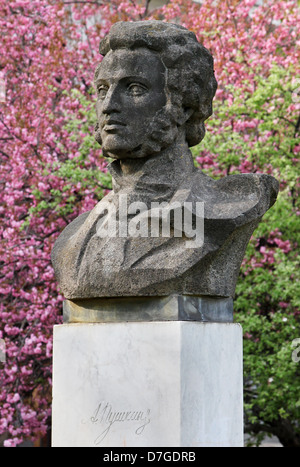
(106, 416)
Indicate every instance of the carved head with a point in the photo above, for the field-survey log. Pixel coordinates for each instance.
(154, 79)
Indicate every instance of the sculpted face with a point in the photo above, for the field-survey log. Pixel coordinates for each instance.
(130, 95)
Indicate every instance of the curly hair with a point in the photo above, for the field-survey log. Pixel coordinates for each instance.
(190, 71)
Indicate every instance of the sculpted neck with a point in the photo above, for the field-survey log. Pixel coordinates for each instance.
(164, 171)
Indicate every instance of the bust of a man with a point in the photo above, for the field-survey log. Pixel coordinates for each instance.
(155, 87)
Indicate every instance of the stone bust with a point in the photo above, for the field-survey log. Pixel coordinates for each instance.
(155, 87)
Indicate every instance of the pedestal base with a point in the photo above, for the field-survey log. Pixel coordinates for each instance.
(169, 308)
(149, 384)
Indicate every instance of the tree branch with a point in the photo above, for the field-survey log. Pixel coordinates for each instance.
(83, 1)
(146, 9)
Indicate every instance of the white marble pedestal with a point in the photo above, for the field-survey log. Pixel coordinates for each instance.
(149, 384)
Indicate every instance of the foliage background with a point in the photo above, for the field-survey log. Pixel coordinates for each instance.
(52, 170)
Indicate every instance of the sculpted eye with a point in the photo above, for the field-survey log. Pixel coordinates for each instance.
(102, 91)
(137, 89)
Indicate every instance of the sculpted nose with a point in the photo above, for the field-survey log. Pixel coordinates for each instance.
(111, 102)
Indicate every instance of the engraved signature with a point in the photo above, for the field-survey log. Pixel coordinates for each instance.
(106, 416)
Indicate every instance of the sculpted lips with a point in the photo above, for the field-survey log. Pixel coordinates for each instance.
(112, 125)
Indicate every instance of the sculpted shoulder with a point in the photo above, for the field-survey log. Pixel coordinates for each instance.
(235, 195)
(70, 230)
